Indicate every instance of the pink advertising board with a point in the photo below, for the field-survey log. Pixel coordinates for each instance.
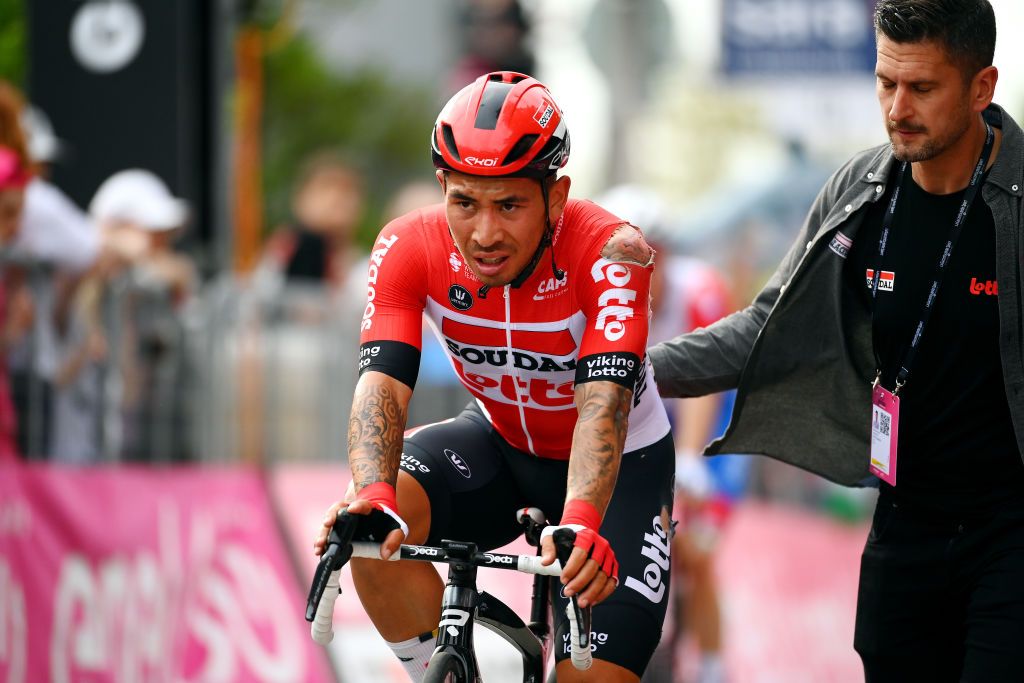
(147, 574)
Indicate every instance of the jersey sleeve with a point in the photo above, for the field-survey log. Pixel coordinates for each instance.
(614, 296)
(391, 329)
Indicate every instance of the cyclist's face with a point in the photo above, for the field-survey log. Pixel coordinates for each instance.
(497, 223)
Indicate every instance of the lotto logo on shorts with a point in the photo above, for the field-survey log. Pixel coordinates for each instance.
(413, 464)
(656, 549)
(595, 640)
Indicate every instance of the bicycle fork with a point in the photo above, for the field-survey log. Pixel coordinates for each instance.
(463, 603)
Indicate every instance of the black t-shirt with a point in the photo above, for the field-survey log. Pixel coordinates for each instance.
(957, 449)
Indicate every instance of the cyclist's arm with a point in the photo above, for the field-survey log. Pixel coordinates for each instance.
(616, 331)
(597, 442)
(389, 357)
(616, 293)
(380, 408)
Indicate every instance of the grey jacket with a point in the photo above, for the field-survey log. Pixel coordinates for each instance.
(800, 354)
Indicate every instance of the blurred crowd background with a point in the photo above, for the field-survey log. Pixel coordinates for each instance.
(188, 189)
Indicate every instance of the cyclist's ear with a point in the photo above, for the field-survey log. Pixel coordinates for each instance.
(558, 195)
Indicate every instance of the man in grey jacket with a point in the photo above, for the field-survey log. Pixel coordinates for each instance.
(887, 349)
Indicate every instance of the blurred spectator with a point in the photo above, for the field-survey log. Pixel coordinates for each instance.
(14, 176)
(494, 35)
(686, 293)
(144, 291)
(46, 250)
(44, 147)
(317, 247)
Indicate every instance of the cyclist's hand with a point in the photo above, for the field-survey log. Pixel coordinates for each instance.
(320, 543)
(592, 571)
(383, 524)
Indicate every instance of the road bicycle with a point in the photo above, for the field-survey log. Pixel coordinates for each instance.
(463, 604)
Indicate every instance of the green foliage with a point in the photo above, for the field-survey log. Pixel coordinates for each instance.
(381, 126)
(12, 41)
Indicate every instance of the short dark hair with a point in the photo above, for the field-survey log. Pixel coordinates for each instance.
(965, 28)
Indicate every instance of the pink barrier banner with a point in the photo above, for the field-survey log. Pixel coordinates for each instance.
(147, 574)
(788, 581)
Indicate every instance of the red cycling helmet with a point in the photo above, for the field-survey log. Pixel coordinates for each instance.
(502, 124)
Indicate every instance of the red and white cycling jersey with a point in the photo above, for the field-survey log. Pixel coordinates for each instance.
(519, 351)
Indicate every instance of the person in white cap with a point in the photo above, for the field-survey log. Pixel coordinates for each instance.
(138, 217)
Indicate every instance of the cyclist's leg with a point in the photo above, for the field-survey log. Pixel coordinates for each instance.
(451, 485)
(627, 626)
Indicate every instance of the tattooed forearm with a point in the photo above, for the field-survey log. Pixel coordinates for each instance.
(627, 245)
(375, 429)
(597, 441)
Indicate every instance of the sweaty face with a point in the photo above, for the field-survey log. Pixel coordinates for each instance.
(497, 223)
(924, 99)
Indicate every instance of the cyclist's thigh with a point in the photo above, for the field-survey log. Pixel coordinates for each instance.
(472, 495)
(627, 626)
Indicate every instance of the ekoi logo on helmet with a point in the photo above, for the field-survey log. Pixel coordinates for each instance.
(479, 161)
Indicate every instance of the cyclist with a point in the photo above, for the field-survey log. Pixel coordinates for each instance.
(541, 303)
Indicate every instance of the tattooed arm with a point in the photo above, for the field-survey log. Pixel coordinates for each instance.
(380, 409)
(600, 432)
(597, 442)
(616, 295)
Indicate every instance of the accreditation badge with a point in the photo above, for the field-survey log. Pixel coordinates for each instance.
(885, 419)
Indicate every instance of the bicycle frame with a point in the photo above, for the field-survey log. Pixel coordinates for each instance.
(463, 603)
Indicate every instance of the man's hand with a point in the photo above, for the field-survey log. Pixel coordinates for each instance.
(592, 571)
(383, 524)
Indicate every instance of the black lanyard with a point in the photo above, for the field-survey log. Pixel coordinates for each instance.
(947, 252)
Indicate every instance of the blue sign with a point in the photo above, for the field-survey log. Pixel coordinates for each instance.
(783, 37)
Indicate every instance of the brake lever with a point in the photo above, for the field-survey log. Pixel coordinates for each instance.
(335, 556)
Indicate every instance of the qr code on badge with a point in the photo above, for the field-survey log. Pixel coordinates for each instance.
(884, 424)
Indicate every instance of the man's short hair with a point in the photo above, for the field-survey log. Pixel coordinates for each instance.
(966, 29)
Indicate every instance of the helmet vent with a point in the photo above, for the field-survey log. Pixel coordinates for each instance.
(520, 148)
(449, 141)
(491, 103)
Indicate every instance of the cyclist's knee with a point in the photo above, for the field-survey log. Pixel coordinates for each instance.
(414, 507)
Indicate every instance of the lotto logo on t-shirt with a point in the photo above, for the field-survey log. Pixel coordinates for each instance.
(885, 280)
